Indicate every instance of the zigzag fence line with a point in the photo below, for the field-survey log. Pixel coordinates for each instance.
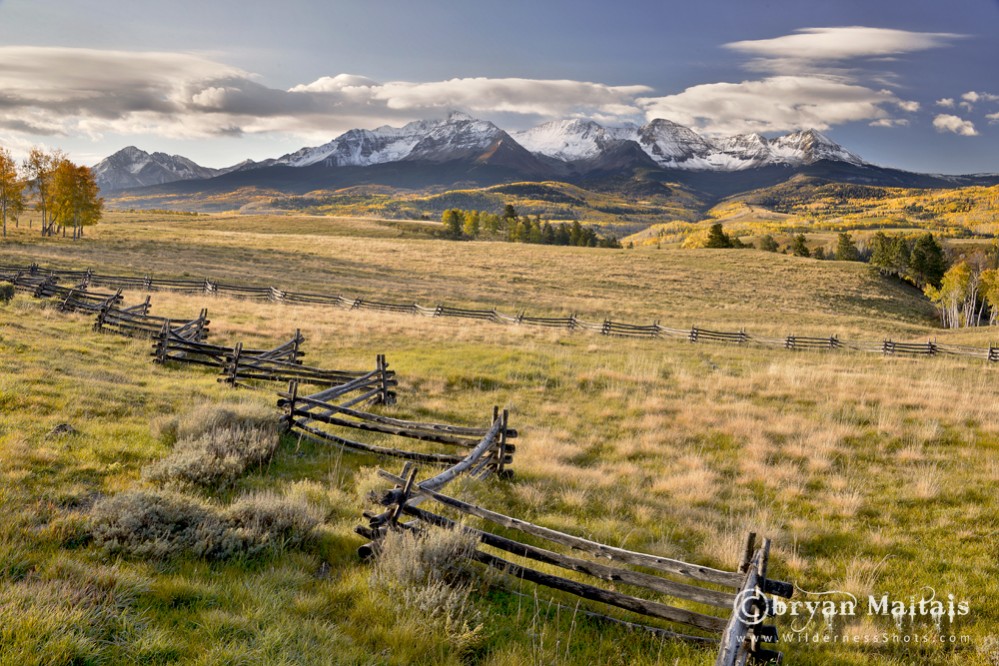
(321, 416)
(741, 634)
(34, 279)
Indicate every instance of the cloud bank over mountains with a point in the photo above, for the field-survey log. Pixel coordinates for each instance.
(814, 78)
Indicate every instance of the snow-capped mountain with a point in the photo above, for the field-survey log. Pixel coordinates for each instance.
(360, 147)
(561, 148)
(131, 167)
(572, 140)
(673, 146)
(808, 147)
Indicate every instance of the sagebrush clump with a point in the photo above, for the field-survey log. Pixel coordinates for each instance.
(211, 416)
(162, 525)
(417, 572)
(216, 458)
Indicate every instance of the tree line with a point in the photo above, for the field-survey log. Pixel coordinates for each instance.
(511, 227)
(65, 194)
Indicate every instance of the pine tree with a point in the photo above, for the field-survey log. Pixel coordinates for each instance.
(846, 249)
(717, 238)
(453, 221)
(768, 244)
(927, 264)
(799, 247)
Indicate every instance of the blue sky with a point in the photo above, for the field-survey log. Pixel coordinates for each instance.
(910, 84)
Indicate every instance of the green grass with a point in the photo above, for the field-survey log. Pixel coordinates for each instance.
(872, 475)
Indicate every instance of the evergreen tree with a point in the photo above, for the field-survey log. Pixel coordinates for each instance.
(927, 264)
(717, 238)
(798, 246)
(846, 249)
(453, 221)
(768, 244)
(509, 213)
(547, 234)
(562, 234)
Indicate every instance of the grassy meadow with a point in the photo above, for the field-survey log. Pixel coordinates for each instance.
(873, 476)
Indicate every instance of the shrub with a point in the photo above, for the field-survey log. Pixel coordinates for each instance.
(162, 525)
(209, 416)
(6, 292)
(157, 525)
(217, 458)
(268, 521)
(416, 571)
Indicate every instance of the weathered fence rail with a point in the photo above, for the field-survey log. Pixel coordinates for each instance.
(890, 348)
(43, 283)
(740, 634)
(802, 342)
(324, 416)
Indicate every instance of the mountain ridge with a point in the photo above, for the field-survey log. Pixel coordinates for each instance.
(564, 147)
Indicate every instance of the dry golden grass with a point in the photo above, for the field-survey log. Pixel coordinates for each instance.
(869, 473)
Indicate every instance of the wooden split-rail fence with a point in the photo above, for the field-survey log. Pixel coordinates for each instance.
(33, 278)
(324, 416)
(640, 580)
(181, 341)
(741, 634)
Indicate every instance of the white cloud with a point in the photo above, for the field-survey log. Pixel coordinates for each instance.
(910, 107)
(813, 50)
(946, 102)
(774, 104)
(64, 91)
(948, 123)
(890, 122)
(973, 97)
(993, 118)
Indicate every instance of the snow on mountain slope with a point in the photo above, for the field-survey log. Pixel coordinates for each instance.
(559, 147)
(673, 146)
(132, 167)
(567, 140)
(359, 147)
(807, 147)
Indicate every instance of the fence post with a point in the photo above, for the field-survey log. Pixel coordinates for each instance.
(200, 333)
(385, 396)
(101, 314)
(693, 334)
(747, 556)
(232, 372)
(162, 342)
(572, 322)
(501, 464)
(606, 328)
(289, 418)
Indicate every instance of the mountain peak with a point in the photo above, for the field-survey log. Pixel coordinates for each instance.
(455, 116)
(133, 167)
